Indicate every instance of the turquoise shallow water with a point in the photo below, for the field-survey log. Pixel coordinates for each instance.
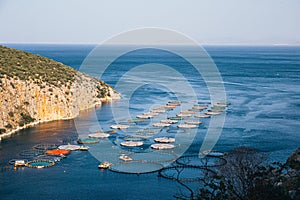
(262, 84)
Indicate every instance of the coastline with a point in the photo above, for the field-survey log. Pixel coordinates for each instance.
(32, 124)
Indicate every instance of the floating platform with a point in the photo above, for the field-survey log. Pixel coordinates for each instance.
(88, 141)
(131, 143)
(162, 146)
(119, 126)
(213, 113)
(70, 147)
(187, 126)
(57, 152)
(183, 115)
(136, 120)
(193, 122)
(144, 116)
(99, 135)
(202, 116)
(160, 125)
(164, 140)
(199, 107)
(169, 121)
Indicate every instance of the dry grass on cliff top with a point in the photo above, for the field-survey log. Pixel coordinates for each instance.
(26, 66)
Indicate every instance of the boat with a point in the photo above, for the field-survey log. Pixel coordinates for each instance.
(99, 135)
(104, 165)
(187, 126)
(119, 126)
(202, 116)
(195, 122)
(20, 163)
(131, 143)
(162, 146)
(125, 158)
(169, 121)
(164, 140)
(84, 148)
(160, 125)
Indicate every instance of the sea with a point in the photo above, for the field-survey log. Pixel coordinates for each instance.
(262, 84)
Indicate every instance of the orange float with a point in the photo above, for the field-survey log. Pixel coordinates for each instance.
(57, 152)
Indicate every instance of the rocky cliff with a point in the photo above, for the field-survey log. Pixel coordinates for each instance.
(34, 89)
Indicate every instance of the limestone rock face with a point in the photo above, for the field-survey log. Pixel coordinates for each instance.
(28, 97)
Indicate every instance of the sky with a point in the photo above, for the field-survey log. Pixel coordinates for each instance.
(254, 22)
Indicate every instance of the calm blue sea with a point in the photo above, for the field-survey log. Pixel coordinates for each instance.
(262, 84)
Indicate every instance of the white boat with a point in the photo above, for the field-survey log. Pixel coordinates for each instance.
(164, 140)
(162, 146)
(187, 126)
(105, 165)
(132, 143)
(161, 125)
(119, 126)
(19, 163)
(99, 135)
(125, 158)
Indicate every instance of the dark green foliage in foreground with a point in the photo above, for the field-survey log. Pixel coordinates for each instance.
(26, 66)
(247, 177)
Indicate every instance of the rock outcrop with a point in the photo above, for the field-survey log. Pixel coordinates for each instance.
(35, 89)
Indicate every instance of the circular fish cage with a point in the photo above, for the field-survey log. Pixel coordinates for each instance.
(88, 141)
(31, 153)
(57, 152)
(40, 164)
(70, 147)
(50, 157)
(45, 146)
(203, 162)
(131, 143)
(136, 167)
(185, 173)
